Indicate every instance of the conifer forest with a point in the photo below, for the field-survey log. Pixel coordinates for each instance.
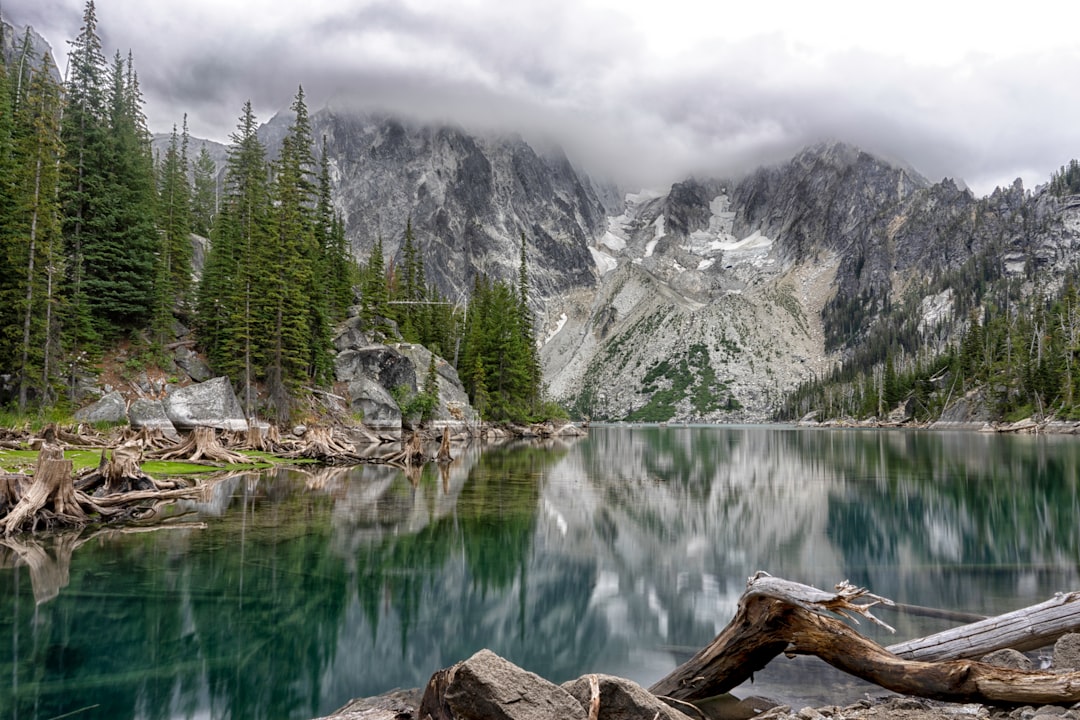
(97, 251)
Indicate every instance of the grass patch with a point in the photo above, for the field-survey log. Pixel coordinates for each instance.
(23, 461)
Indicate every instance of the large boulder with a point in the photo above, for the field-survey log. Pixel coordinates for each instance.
(150, 414)
(453, 400)
(110, 408)
(487, 687)
(621, 699)
(379, 410)
(209, 404)
(381, 363)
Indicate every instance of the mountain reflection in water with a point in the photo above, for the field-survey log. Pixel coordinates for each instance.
(288, 593)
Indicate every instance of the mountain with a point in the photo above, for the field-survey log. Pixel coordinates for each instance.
(714, 298)
(469, 198)
(11, 42)
(719, 297)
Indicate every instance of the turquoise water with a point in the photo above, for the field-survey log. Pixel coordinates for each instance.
(285, 595)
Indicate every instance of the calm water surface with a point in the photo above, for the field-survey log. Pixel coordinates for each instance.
(620, 553)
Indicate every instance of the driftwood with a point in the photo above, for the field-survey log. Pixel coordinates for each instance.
(777, 616)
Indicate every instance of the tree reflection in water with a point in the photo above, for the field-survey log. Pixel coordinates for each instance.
(305, 587)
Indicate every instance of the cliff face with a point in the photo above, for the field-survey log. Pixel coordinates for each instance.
(469, 199)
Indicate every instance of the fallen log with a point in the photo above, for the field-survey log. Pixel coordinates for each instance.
(777, 616)
(1026, 629)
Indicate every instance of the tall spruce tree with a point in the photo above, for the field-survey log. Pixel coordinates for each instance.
(230, 295)
(299, 329)
(84, 132)
(118, 253)
(38, 151)
(174, 224)
(204, 193)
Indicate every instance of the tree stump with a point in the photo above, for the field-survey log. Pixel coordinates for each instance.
(201, 443)
(51, 495)
(444, 447)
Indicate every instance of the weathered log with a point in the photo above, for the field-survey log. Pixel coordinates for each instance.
(776, 616)
(1026, 629)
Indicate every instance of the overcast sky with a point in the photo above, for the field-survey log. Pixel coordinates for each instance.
(981, 91)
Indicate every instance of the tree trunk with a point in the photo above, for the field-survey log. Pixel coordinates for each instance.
(776, 616)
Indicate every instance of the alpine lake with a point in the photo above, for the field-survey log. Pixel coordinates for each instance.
(292, 591)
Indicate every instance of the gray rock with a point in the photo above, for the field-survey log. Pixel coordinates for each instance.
(192, 364)
(381, 363)
(110, 408)
(209, 404)
(487, 687)
(1067, 653)
(374, 403)
(350, 336)
(1008, 658)
(621, 699)
(394, 705)
(453, 400)
(150, 414)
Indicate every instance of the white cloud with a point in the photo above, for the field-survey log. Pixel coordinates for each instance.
(650, 91)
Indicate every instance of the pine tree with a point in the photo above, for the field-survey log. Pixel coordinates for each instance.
(204, 193)
(299, 334)
(230, 297)
(38, 152)
(83, 132)
(374, 298)
(174, 222)
(119, 252)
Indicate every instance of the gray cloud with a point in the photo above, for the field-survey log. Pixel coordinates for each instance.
(593, 80)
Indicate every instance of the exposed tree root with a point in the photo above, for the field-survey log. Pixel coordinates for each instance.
(411, 453)
(200, 444)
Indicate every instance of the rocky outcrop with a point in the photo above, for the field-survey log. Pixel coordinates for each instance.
(110, 408)
(209, 404)
(150, 414)
(453, 404)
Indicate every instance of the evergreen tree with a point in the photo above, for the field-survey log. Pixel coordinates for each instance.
(374, 297)
(204, 193)
(299, 333)
(38, 152)
(230, 295)
(118, 251)
(174, 223)
(83, 133)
